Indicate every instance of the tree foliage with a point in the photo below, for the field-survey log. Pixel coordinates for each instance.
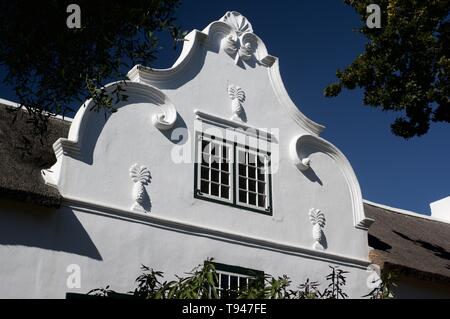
(51, 66)
(386, 284)
(406, 63)
(202, 283)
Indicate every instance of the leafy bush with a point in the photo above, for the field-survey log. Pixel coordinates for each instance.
(202, 283)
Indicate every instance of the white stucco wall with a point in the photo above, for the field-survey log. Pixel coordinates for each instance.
(440, 209)
(36, 249)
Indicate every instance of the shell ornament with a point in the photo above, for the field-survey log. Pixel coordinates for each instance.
(238, 22)
(237, 96)
(141, 176)
(317, 219)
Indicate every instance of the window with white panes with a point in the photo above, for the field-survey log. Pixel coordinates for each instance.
(252, 172)
(214, 169)
(232, 174)
(232, 279)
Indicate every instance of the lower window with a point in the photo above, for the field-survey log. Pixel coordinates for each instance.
(232, 279)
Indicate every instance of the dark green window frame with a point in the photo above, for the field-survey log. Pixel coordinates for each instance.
(235, 278)
(234, 178)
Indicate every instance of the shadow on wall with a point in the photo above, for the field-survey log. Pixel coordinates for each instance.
(51, 229)
(312, 176)
(174, 135)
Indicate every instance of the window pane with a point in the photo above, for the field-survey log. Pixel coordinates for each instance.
(251, 172)
(204, 187)
(225, 167)
(252, 199)
(251, 159)
(233, 282)
(214, 176)
(215, 163)
(215, 149)
(224, 281)
(242, 196)
(205, 159)
(242, 183)
(225, 179)
(252, 185)
(225, 192)
(242, 283)
(205, 172)
(261, 201)
(260, 161)
(261, 175)
(205, 147)
(241, 157)
(242, 170)
(261, 187)
(224, 152)
(214, 189)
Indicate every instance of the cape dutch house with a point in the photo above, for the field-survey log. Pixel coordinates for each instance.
(209, 158)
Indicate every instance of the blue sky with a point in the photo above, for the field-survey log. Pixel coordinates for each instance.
(313, 39)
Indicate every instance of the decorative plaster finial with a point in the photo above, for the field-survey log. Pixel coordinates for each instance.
(241, 44)
(237, 96)
(317, 219)
(141, 176)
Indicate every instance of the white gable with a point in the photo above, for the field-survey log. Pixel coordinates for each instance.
(226, 81)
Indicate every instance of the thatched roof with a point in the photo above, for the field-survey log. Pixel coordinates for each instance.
(23, 154)
(413, 245)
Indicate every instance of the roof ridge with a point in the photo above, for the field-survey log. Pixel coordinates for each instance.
(16, 105)
(404, 211)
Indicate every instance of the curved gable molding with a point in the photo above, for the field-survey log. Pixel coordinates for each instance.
(215, 37)
(143, 74)
(163, 120)
(72, 145)
(283, 97)
(299, 143)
